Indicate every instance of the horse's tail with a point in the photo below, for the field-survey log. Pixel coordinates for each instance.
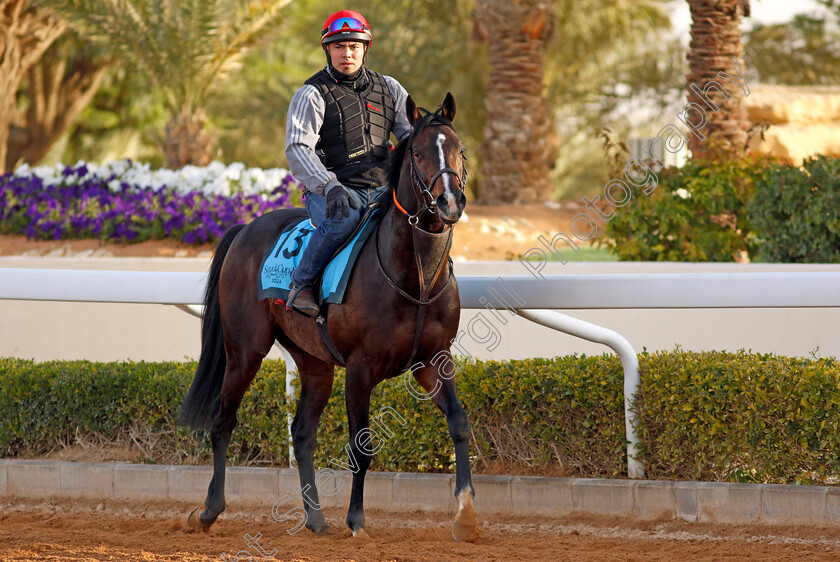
(202, 399)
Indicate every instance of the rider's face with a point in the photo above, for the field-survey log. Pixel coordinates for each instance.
(347, 56)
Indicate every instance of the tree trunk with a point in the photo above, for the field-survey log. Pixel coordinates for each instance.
(56, 97)
(25, 33)
(520, 142)
(189, 141)
(715, 41)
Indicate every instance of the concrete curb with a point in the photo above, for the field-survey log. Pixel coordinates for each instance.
(705, 502)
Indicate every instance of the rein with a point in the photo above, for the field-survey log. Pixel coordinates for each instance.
(439, 243)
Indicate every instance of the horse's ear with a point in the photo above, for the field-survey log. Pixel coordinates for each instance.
(449, 107)
(411, 111)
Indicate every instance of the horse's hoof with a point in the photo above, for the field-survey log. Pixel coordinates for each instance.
(195, 523)
(361, 534)
(321, 529)
(464, 533)
(465, 528)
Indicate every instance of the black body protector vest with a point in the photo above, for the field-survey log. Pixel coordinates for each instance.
(357, 127)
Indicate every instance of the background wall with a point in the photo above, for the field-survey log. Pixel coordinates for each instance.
(804, 120)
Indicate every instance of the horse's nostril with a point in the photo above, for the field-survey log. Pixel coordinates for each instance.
(447, 203)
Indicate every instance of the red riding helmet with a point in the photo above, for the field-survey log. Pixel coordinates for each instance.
(346, 25)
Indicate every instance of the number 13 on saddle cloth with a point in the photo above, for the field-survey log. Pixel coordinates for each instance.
(277, 265)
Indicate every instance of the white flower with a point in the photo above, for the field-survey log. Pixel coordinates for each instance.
(682, 193)
(49, 175)
(214, 179)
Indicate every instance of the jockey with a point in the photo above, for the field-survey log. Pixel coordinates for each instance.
(337, 138)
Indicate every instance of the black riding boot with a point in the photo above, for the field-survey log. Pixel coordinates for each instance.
(302, 299)
(313, 261)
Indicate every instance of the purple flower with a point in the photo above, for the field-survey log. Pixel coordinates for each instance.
(76, 207)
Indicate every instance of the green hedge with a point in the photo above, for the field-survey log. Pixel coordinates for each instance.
(740, 417)
(707, 416)
(794, 211)
(719, 210)
(697, 213)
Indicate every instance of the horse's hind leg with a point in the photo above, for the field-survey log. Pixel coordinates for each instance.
(316, 378)
(240, 370)
(442, 390)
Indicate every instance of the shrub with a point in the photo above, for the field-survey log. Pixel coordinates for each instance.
(703, 416)
(696, 213)
(565, 412)
(795, 212)
(47, 406)
(740, 417)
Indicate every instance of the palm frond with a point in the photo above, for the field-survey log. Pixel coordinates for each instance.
(181, 46)
(250, 20)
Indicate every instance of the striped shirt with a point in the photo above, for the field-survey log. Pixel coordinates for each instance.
(303, 123)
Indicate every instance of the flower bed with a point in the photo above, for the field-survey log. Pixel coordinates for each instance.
(126, 201)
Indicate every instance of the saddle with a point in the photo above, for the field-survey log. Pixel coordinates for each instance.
(277, 265)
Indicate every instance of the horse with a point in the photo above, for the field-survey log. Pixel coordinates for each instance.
(401, 309)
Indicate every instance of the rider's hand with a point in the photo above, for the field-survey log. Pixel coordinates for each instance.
(339, 202)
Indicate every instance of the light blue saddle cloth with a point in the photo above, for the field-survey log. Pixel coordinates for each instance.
(278, 264)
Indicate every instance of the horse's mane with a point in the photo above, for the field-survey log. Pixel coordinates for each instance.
(396, 159)
(398, 154)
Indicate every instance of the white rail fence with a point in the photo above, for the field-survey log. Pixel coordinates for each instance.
(532, 298)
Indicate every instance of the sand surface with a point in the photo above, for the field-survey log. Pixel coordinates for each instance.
(64, 530)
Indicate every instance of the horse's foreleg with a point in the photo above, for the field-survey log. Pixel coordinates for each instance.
(443, 394)
(357, 398)
(316, 382)
(239, 373)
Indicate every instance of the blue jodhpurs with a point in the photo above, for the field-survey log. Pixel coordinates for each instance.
(330, 233)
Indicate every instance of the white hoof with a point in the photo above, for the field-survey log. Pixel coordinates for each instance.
(465, 529)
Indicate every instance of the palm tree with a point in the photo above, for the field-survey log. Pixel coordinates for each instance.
(715, 41)
(26, 32)
(182, 47)
(537, 50)
(520, 144)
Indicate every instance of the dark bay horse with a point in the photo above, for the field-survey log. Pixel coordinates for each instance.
(401, 308)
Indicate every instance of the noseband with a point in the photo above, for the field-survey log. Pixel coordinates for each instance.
(422, 189)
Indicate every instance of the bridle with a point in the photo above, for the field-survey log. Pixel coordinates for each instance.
(439, 242)
(423, 189)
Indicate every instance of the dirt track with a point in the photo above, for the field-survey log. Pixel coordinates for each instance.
(84, 530)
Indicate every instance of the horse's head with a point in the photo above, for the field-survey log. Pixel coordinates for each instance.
(435, 161)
